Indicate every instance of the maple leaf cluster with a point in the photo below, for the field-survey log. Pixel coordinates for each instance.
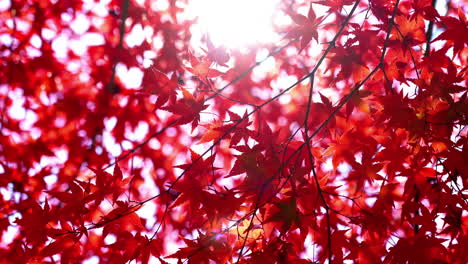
(123, 141)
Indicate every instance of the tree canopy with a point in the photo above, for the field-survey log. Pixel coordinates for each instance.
(143, 131)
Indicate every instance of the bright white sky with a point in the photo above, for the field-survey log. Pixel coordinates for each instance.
(235, 23)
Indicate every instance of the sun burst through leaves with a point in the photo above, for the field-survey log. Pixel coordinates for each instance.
(236, 23)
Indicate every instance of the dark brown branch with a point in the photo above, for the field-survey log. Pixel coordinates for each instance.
(112, 88)
(430, 29)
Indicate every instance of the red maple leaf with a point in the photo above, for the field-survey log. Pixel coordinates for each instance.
(335, 5)
(456, 31)
(205, 248)
(218, 55)
(156, 82)
(188, 108)
(201, 67)
(306, 27)
(110, 184)
(236, 130)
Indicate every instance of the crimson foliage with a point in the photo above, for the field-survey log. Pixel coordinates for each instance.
(205, 157)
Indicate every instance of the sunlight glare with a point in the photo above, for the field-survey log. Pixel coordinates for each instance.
(235, 23)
